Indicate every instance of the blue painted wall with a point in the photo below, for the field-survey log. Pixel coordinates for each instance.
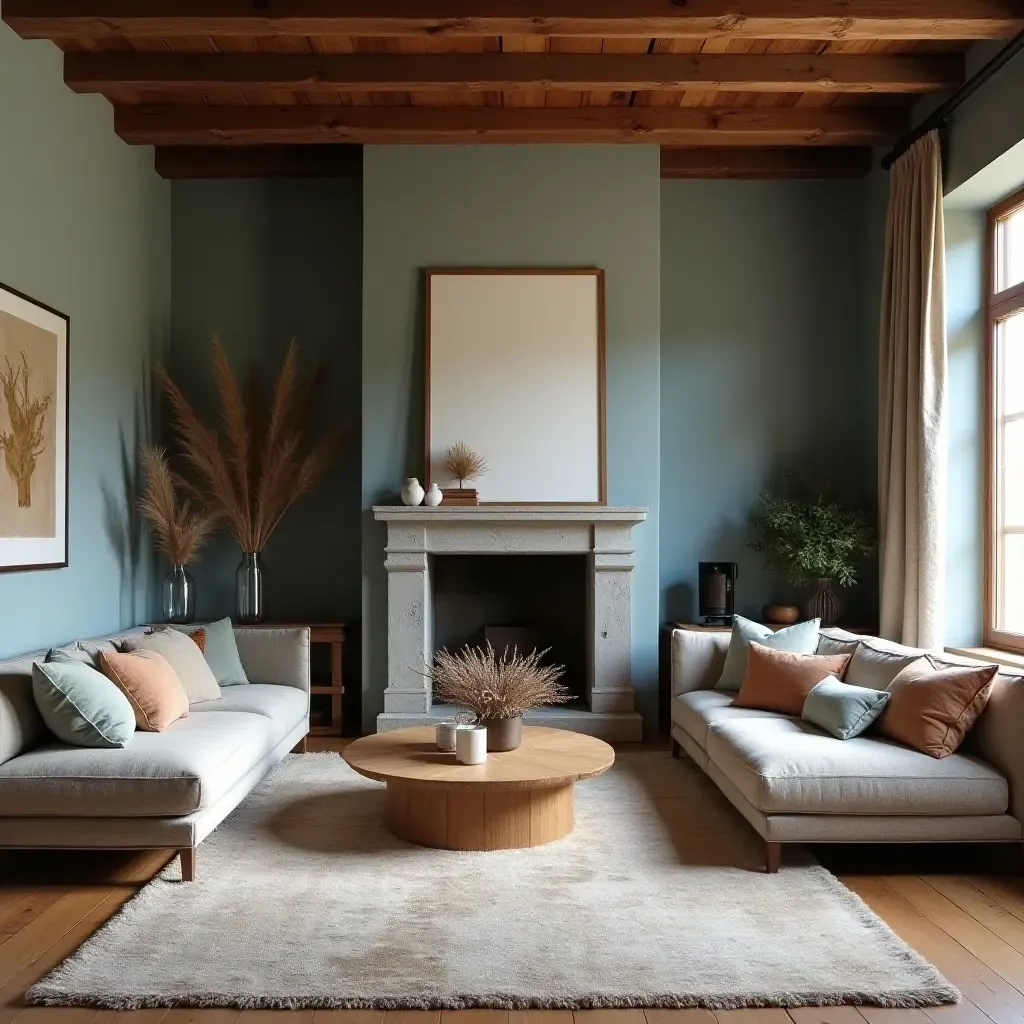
(260, 262)
(509, 206)
(84, 227)
(767, 363)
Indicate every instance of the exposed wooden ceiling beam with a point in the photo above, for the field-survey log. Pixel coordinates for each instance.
(773, 19)
(156, 72)
(259, 161)
(781, 162)
(166, 125)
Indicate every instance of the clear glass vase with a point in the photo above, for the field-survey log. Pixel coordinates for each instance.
(178, 596)
(249, 589)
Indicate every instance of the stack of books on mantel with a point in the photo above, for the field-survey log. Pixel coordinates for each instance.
(459, 496)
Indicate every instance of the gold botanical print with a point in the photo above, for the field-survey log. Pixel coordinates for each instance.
(26, 440)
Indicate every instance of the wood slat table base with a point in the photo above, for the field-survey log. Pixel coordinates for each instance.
(475, 818)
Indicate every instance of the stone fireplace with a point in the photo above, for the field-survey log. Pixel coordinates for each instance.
(417, 536)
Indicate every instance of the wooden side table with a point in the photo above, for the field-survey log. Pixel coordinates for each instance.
(332, 634)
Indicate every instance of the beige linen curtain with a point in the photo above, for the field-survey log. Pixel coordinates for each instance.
(912, 403)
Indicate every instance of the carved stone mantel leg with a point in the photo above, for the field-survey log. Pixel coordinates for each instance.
(611, 597)
(411, 631)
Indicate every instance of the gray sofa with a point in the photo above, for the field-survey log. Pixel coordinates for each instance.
(168, 789)
(795, 783)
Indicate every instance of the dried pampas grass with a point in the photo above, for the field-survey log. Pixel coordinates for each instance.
(261, 460)
(463, 463)
(179, 528)
(493, 687)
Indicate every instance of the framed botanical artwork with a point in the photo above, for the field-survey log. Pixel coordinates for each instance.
(33, 434)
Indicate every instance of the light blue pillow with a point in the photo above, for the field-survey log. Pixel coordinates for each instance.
(82, 652)
(799, 639)
(843, 710)
(81, 706)
(221, 653)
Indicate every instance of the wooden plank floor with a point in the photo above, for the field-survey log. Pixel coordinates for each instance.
(970, 925)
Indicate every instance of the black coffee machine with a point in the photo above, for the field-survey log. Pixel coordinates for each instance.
(716, 586)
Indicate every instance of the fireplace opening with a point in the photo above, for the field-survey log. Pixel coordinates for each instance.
(521, 599)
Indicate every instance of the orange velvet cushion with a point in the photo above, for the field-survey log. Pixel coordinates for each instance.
(780, 681)
(151, 686)
(931, 706)
(199, 636)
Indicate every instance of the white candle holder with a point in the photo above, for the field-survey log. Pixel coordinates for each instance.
(471, 744)
(444, 736)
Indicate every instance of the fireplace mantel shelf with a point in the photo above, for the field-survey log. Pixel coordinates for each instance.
(511, 513)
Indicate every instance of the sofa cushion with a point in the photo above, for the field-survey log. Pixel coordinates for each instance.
(695, 711)
(780, 681)
(182, 653)
(782, 765)
(282, 703)
(875, 669)
(150, 684)
(188, 766)
(799, 639)
(82, 706)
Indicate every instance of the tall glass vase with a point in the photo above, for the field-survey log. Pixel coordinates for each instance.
(178, 596)
(249, 589)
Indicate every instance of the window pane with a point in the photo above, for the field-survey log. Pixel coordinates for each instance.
(1012, 473)
(1010, 339)
(1011, 585)
(1011, 250)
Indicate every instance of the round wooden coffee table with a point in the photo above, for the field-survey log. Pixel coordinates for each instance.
(514, 799)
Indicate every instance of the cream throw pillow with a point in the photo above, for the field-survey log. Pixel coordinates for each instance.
(184, 656)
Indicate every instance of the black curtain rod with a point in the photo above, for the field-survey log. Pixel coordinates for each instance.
(937, 118)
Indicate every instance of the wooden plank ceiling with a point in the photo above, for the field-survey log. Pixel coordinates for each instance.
(728, 88)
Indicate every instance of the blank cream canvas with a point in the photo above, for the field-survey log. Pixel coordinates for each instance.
(514, 370)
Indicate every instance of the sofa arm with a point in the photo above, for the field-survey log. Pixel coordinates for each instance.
(697, 659)
(275, 654)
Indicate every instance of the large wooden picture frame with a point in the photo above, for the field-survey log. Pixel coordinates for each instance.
(33, 434)
(515, 368)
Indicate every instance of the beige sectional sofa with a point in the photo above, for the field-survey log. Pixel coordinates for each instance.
(164, 789)
(795, 783)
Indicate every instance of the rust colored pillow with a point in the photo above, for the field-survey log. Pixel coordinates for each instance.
(931, 706)
(151, 686)
(199, 636)
(780, 681)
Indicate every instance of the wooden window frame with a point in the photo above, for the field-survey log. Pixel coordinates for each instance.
(998, 305)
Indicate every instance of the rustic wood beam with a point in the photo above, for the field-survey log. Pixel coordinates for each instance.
(773, 19)
(781, 162)
(167, 125)
(335, 161)
(161, 72)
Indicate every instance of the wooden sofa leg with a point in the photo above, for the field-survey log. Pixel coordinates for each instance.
(188, 863)
(677, 750)
(772, 857)
(300, 747)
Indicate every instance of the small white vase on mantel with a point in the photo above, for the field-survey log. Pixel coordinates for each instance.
(433, 496)
(412, 492)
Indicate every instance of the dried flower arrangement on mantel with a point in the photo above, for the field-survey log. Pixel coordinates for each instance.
(462, 464)
(497, 690)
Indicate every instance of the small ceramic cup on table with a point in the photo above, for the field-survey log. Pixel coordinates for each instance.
(471, 744)
(444, 736)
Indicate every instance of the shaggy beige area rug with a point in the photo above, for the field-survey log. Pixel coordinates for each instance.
(657, 898)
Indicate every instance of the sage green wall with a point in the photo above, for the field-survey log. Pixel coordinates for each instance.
(509, 206)
(767, 364)
(84, 228)
(260, 262)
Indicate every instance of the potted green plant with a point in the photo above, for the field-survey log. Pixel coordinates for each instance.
(810, 536)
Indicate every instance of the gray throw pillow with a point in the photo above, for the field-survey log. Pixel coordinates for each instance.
(875, 668)
(842, 710)
(81, 652)
(82, 706)
(221, 652)
(799, 639)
